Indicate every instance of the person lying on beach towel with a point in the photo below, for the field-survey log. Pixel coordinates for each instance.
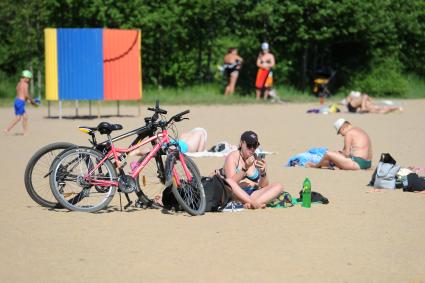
(357, 151)
(193, 141)
(358, 102)
(313, 155)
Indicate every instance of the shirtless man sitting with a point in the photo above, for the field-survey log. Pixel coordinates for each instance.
(357, 151)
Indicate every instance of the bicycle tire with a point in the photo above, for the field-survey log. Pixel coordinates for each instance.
(37, 172)
(190, 195)
(151, 181)
(82, 160)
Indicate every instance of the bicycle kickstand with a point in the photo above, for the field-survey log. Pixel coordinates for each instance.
(129, 201)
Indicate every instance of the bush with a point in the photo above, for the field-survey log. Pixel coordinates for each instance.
(384, 79)
(7, 86)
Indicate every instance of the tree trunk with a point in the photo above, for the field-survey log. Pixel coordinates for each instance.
(39, 83)
(208, 73)
(158, 65)
(304, 79)
(32, 82)
(199, 63)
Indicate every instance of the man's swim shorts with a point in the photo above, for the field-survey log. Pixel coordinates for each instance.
(19, 107)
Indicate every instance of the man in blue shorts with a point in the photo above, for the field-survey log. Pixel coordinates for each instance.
(22, 96)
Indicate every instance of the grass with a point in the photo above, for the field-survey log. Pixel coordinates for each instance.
(416, 87)
(209, 94)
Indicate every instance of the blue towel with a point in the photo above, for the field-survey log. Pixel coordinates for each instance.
(314, 155)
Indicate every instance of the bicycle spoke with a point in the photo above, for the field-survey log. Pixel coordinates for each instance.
(75, 179)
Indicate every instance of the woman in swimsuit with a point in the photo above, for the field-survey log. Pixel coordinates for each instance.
(247, 175)
(358, 102)
(232, 65)
(265, 63)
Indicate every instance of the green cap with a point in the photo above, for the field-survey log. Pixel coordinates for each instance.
(26, 74)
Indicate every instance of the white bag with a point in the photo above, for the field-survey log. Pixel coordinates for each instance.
(386, 175)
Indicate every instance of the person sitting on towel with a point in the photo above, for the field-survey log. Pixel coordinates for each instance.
(357, 151)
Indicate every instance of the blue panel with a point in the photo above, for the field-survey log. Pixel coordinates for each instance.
(80, 64)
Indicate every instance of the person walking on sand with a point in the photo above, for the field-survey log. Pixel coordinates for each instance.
(232, 65)
(22, 96)
(264, 79)
(357, 151)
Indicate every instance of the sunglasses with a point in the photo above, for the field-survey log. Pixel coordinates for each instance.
(252, 145)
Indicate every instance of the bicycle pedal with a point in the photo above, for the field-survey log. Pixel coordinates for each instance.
(138, 204)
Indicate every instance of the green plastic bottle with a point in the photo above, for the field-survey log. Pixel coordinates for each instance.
(307, 193)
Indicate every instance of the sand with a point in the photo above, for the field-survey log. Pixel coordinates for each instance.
(358, 237)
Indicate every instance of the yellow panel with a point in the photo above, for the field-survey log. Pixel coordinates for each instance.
(51, 57)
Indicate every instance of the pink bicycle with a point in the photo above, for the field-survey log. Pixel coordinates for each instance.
(85, 179)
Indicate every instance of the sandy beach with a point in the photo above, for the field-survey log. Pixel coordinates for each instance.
(358, 237)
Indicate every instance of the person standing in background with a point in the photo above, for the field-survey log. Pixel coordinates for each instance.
(232, 65)
(265, 63)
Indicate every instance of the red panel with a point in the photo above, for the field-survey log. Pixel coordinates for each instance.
(121, 61)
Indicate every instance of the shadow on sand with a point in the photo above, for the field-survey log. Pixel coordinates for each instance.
(88, 117)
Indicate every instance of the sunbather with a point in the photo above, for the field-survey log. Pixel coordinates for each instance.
(357, 151)
(192, 141)
(358, 102)
(247, 174)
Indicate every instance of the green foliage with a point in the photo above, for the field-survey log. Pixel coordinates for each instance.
(384, 79)
(183, 41)
(416, 86)
(7, 86)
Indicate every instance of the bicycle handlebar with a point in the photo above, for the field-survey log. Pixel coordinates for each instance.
(157, 109)
(152, 121)
(178, 117)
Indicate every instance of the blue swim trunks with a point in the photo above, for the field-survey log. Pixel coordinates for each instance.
(19, 107)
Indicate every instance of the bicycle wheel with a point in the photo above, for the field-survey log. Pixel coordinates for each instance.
(150, 181)
(36, 176)
(71, 183)
(189, 193)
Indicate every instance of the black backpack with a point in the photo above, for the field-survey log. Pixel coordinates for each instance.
(217, 194)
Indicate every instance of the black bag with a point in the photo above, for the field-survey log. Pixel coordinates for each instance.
(169, 201)
(217, 194)
(315, 197)
(414, 183)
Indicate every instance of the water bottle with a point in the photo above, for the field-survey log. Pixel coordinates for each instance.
(306, 193)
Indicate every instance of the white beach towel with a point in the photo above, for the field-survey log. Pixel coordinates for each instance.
(216, 154)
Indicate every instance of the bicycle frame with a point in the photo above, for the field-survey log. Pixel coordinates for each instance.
(114, 151)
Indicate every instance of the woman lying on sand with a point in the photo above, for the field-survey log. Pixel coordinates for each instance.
(357, 102)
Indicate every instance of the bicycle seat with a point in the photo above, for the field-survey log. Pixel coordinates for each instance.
(106, 128)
